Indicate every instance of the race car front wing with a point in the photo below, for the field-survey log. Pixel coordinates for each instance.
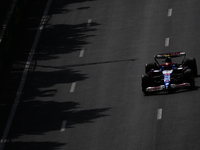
(162, 87)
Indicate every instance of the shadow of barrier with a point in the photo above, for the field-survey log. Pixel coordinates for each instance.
(13, 28)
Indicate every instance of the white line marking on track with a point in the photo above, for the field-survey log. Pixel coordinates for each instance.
(82, 52)
(63, 125)
(166, 42)
(169, 14)
(89, 22)
(159, 114)
(24, 75)
(73, 87)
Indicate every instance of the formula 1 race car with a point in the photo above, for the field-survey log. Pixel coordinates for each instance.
(169, 75)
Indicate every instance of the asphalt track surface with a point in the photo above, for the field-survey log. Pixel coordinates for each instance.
(85, 92)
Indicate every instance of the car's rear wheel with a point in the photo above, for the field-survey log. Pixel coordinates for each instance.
(146, 82)
(150, 66)
(191, 63)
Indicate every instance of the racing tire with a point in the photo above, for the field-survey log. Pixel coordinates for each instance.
(146, 82)
(188, 76)
(191, 63)
(150, 66)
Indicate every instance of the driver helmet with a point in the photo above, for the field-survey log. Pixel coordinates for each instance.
(168, 60)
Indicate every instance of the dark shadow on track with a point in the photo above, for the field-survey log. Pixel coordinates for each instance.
(61, 6)
(80, 8)
(35, 117)
(39, 117)
(39, 80)
(63, 39)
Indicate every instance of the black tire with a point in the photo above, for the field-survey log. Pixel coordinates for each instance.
(191, 63)
(188, 76)
(150, 66)
(146, 82)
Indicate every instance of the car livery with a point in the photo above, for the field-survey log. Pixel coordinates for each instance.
(169, 75)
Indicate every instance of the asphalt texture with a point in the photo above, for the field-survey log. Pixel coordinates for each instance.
(95, 101)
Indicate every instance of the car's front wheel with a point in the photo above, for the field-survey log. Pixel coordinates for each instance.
(188, 76)
(146, 82)
(191, 63)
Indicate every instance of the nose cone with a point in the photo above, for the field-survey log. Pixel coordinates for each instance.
(167, 77)
(167, 84)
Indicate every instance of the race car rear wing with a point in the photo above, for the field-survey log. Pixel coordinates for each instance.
(171, 55)
(165, 55)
